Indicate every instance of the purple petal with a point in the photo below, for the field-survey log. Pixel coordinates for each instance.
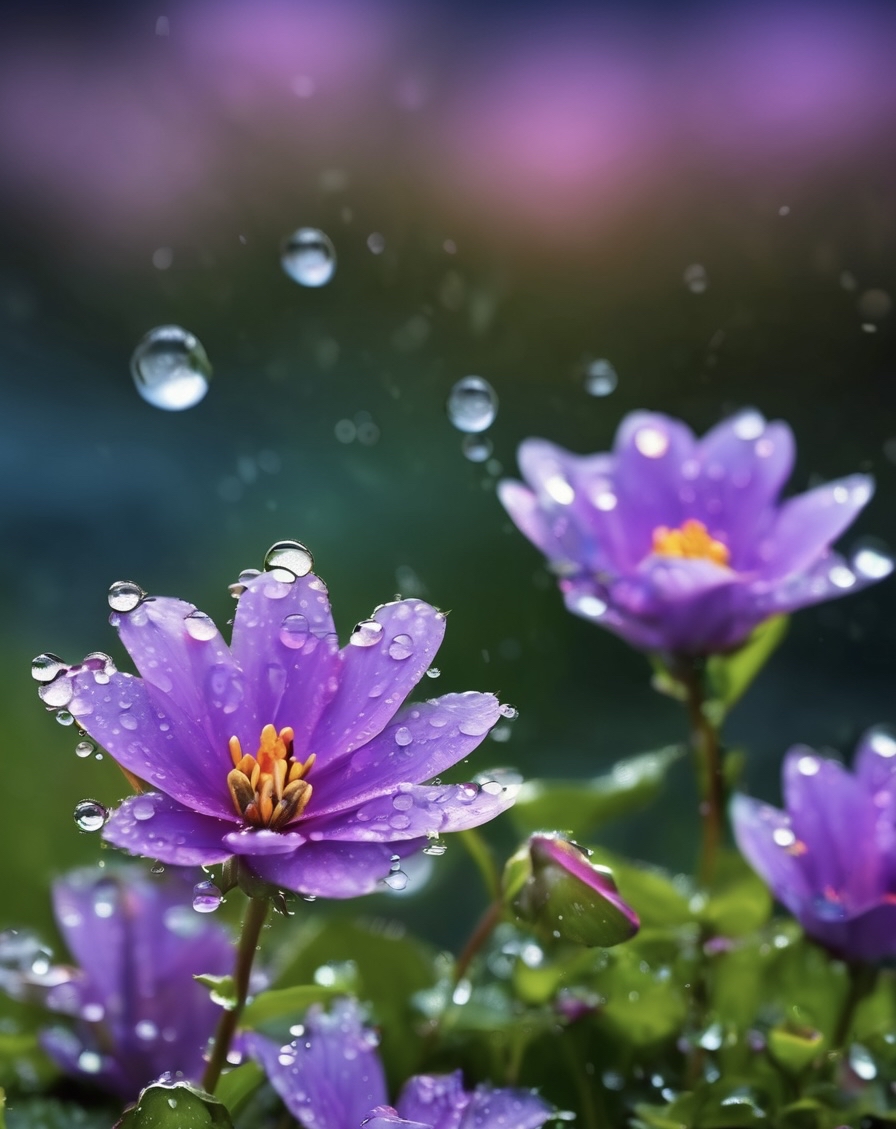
(809, 523)
(875, 766)
(869, 936)
(80, 1060)
(385, 1117)
(422, 742)
(376, 678)
(769, 844)
(415, 810)
(495, 1109)
(833, 816)
(329, 1078)
(92, 920)
(438, 1100)
(526, 512)
(164, 748)
(334, 869)
(262, 841)
(286, 646)
(157, 827)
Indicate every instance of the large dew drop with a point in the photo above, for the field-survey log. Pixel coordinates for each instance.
(308, 257)
(90, 815)
(206, 897)
(125, 595)
(171, 369)
(287, 560)
(44, 668)
(472, 404)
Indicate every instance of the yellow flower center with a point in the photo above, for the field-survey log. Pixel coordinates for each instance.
(269, 789)
(690, 540)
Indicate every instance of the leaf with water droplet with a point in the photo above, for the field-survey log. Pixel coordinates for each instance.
(179, 1105)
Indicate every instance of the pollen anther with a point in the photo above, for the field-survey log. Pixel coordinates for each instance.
(691, 540)
(269, 789)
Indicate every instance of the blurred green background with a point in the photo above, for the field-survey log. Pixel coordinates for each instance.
(540, 182)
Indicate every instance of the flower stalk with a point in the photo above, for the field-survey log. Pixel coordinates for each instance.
(710, 778)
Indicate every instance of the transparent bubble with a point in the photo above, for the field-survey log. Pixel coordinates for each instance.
(125, 595)
(90, 815)
(472, 404)
(200, 626)
(171, 369)
(476, 448)
(600, 378)
(287, 560)
(308, 257)
(63, 717)
(206, 897)
(44, 668)
(85, 749)
(695, 278)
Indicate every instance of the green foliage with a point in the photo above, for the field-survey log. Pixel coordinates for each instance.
(177, 1106)
(50, 1113)
(238, 1085)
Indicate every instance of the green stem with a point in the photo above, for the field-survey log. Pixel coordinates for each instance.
(256, 912)
(862, 979)
(480, 853)
(711, 782)
(478, 937)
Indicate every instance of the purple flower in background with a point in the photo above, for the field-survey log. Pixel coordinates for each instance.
(681, 545)
(331, 1077)
(138, 1011)
(282, 748)
(830, 858)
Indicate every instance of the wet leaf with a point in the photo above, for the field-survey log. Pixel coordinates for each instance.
(286, 1003)
(177, 1106)
(728, 677)
(236, 1086)
(221, 989)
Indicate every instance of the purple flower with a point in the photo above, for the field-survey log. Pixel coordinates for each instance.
(680, 545)
(138, 1011)
(330, 1077)
(830, 858)
(282, 748)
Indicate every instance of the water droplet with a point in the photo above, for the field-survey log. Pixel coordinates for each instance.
(92, 1013)
(808, 765)
(872, 562)
(143, 808)
(200, 626)
(90, 1062)
(239, 585)
(294, 632)
(366, 633)
(556, 487)
(651, 442)
(146, 1030)
(308, 257)
(56, 694)
(63, 717)
(396, 880)
(600, 378)
(862, 1063)
(171, 369)
(590, 607)
(435, 849)
(472, 404)
(749, 424)
(783, 836)
(882, 742)
(509, 712)
(695, 278)
(287, 560)
(90, 815)
(125, 595)
(376, 243)
(85, 748)
(44, 668)
(476, 448)
(401, 647)
(433, 672)
(403, 736)
(206, 897)
(841, 576)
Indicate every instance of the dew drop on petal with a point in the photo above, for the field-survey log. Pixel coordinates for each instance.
(559, 489)
(403, 736)
(589, 606)
(56, 694)
(308, 257)
(651, 442)
(63, 717)
(433, 672)
(749, 425)
(472, 404)
(476, 448)
(396, 880)
(294, 631)
(125, 595)
(90, 1062)
(44, 668)
(143, 808)
(841, 576)
(85, 749)
(200, 626)
(808, 765)
(366, 633)
(90, 815)
(206, 897)
(871, 562)
(600, 378)
(287, 560)
(239, 585)
(436, 849)
(171, 369)
(783, 836)
(401, 647)
(146, 1030)
(509, 712)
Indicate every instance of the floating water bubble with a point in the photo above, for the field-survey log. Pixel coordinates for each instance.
(308, 257)
(476, 448)
(366, 633)
(44, 668)
(200, 626)
(90, 815)
(85, 749)
(125, 595)
(206, 897)
(287, 560)
(472, 404)
(170, 368)
(600, 378)
(695, 278)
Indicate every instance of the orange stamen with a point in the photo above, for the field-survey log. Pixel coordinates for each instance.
(269, 789)
(691, 540)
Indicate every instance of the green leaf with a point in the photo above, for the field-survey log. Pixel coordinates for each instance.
(794, 1048)
(285, 1003)
(236, 1086)
(179, 1106)
(729, 676)
(2, 1109)
(50, 1113)
(221, 989)
(658, 901)
(579, 806)
(739, 901)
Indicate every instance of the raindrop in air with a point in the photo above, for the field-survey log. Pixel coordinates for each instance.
(200, 626)
(90, 815)
(695, 278)
(206, 897)
(287, 560)
(472, 404)
(308, 257)
(171, 369)
(476, 448)
(125, 595)
(44, 668)
(600, 378)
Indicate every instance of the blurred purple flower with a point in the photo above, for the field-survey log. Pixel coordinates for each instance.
(331, 1077)
(282, 748)
(681, 545)
(139, 1013)
(830, 858)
